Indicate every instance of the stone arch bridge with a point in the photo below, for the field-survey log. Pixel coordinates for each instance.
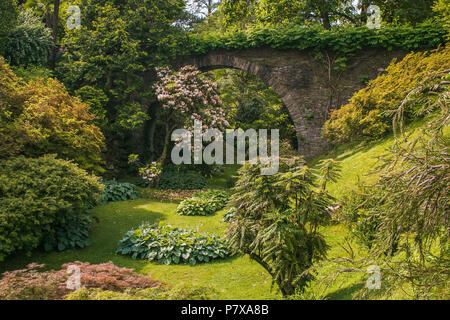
(310, 86)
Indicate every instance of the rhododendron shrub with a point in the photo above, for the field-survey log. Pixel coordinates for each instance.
(187, 96)
(31, 284)
(149, 173)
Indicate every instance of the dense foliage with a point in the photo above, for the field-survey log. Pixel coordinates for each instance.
(369, 113)
(119, 191)
(416, 227)
(32, 284)
(40, 117)
(115, 54)
(442, 7)
(327, 13)
(40, 196)
(341, 41)
(304, 12)
(170, 245)
(196, 207)
(405, 11)
(115, 81)
(8, 19)
(203, 203)
(172, 180)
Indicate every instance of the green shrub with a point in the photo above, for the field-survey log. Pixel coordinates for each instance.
(117, 191)
(40, 196)
(170, 245)
(8, 19)
(181, 181)
(29, 42)
(203, 203)
(157, 293)
(218, 198)
(358, 215)
(40, 117)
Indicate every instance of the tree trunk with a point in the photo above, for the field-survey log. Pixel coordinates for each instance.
(151, 140)
(55, 32)
(210, 7)
(364, 7)
(326, 20)
(163, 157)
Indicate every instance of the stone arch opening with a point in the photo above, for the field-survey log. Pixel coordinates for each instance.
(254, 102)
(304, 83)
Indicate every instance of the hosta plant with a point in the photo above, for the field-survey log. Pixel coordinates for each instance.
(203, 203)
(116, 191)
(195, 207)
(218, 198)
(72, 233)
(170, 245)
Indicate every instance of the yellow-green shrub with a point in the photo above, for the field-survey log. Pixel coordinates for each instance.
(368, 115)
(40, 117)
(156, 293)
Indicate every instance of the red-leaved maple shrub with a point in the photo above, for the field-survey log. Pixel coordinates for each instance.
(107, 276)
(31, 284)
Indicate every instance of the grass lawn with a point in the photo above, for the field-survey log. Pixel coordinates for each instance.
(233, 278)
